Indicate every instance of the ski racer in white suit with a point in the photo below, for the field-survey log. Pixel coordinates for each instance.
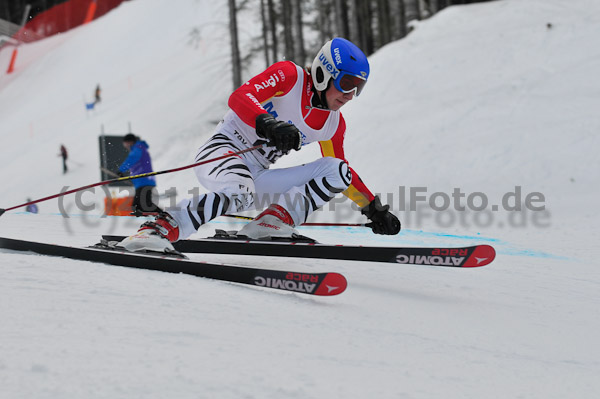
(287, 108)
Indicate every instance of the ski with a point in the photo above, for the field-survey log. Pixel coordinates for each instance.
(322, 284)
(473, 256)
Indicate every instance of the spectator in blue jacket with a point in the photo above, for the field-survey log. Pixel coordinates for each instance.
(139, 162)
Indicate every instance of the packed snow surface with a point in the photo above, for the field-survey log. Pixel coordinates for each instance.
(497, 100)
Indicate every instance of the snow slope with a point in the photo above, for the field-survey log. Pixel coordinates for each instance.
(480, 98)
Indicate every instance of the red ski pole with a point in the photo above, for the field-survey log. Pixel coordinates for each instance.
(102, 183)
(307, 223)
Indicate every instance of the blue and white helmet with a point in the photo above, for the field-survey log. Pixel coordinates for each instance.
(340, 60)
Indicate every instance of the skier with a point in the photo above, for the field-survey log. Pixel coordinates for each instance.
(139, 162)
(287, 108)
(64, 155)
(97, 92)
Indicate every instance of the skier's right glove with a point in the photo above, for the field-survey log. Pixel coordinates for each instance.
(281, 135)
(382, 220)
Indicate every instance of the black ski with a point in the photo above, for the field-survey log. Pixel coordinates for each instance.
(473, 256)
(324, 284)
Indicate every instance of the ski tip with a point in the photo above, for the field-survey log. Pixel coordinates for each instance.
(2, 211)
(332, 284)
(481, 256)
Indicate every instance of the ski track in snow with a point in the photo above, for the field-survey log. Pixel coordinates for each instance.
(396, 328)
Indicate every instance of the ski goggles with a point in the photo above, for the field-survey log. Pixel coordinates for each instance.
(347, 83)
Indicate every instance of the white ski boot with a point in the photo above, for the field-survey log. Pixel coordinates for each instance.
(155, 236)
(275, 221)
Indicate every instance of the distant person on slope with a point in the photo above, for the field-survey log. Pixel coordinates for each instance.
(97, 92)
(285, 107)
(139, 162)
(64, 155)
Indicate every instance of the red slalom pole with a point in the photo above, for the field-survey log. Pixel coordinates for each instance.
(89, 16)
(13, 58)
(105, 182)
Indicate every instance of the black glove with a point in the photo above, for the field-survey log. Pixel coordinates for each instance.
(120, 174)
(279, 134)
(382, 220)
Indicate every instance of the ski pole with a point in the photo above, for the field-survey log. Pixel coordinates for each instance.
(109, 172)
(124, 178)
(306, 224)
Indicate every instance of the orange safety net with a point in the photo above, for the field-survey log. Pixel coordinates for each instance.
(63, 17)
(118, 206)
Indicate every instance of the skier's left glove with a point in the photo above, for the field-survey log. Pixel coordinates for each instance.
(281, 135)
(382, 220)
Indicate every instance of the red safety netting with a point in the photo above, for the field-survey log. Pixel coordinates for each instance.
(63, 17)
